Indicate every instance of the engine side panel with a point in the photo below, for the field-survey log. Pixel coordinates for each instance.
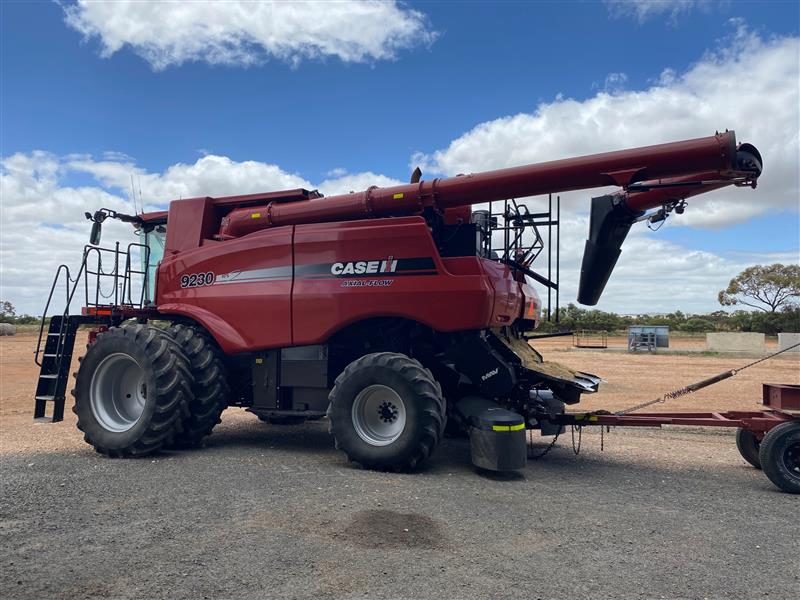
(298, 285)
(350, 271)
(247, 303)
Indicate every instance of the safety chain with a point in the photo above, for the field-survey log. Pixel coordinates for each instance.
(579, 429)
(544, 452)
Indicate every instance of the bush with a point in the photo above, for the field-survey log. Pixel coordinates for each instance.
(697, 325)
(574, 318)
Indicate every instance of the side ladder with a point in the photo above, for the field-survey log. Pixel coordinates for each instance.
(54, 373)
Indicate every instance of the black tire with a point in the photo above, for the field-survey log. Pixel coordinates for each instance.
(454, 428)
(423, 410)
(211, 390)
(780, 456)
(164, 389)
(748, 445)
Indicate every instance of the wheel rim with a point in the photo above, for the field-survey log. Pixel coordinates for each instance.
(379, 415)
(118, 392)
(791, 459)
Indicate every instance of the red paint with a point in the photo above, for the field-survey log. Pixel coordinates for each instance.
(755, 421)
(241, 316)
(274, 256)
(782, 396)
(665, 162)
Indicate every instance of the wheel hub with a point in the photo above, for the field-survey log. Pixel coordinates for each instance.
(118, 392)
(388, 412)
(379, 415)
(791, 459)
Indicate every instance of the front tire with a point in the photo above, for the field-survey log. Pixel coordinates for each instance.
(211, 390)
(387, 412)
(780, 456)
(132, 391)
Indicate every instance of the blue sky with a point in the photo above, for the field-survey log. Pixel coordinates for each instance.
(487, 61)
(491, 59)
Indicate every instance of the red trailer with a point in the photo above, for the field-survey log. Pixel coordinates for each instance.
(768, 439)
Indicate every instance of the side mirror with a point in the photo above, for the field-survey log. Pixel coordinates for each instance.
(94, 237)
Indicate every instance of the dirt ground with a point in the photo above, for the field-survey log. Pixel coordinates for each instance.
(632, 378)
(276, 512)
(629, 379)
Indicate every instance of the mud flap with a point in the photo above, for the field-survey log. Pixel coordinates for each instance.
(496, 435)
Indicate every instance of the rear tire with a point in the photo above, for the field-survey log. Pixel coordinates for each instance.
(210, 389)
(132, 391)
(780, 456)
(748, 445)
(387, 412)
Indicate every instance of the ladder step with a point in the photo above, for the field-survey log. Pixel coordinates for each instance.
(45, 398)
(49, 376)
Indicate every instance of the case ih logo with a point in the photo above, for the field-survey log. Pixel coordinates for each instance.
(364, 267)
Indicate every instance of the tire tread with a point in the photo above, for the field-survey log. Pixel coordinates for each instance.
(173, 391)
(426, 389)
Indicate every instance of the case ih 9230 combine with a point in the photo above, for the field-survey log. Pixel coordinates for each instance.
(391, 310)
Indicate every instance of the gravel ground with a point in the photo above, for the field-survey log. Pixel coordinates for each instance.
(275, 512)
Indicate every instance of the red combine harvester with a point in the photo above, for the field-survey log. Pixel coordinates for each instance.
(393, 311)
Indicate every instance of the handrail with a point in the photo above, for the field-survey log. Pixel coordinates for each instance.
(47, 306)
(119, 296)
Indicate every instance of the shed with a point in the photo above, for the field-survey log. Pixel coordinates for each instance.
(656, 336)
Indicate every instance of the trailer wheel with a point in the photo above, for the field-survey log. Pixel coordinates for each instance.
(780, 456)
(132, 391)
(748, 445)
(210, 389)
(387, 412)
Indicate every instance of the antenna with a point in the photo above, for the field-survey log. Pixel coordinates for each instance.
(133, 195)
(141, 202)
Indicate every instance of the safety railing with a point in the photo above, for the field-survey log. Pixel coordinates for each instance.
(103, 265)
(515, 233)
(117, 269)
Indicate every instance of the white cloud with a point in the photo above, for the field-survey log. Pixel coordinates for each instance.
(42, 222)
(43, 225)
(244, 33)
(653, 275)
(750, 85)
(644, 10)
(614, 82)
(356, 182)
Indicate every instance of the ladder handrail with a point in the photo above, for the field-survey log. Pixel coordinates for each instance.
(68, 297)
(47, 306)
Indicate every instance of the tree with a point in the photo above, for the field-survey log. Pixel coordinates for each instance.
(7, 311)
(765, 288)
(698, 325)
